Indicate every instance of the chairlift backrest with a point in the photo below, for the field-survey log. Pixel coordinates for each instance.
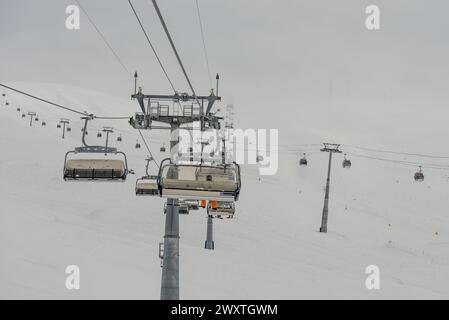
(87, 169)
(199, 182)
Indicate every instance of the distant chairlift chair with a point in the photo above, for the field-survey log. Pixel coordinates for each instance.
(221, 209)
(147, 185)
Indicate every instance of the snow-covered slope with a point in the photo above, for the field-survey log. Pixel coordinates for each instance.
(271, 250)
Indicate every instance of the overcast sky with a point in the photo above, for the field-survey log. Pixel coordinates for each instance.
(276, 57)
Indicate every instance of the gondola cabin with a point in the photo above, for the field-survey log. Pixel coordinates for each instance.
(303, 161)
(419, 176)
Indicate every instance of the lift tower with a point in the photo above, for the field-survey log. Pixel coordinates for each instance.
(175, 111)
(64, 123)
(330, 148)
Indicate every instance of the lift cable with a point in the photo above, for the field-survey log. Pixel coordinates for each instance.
(61, 106)
(105, 40)
(44, 100)
(404, 163)
(399, 153)
(152, 47)
(170, 39)
(148, 148)
(206, 55)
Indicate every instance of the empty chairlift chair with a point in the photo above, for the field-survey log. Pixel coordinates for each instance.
(346, 163)
(183, 208)
(303, 161)
(87, 168)
(199, 182)
(419, 176)
(221, 209)
(147, 185)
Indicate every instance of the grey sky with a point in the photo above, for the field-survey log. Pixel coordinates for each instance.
(276, 57)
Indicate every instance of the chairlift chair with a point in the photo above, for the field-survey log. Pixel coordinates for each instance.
(259, 159)
(199, 182)
(183, 208)
(6, 103)
(69, 129)
(36, 119)
(347, 163)
(59, 126)
(138, 146)
(18, 109)
(3, 95)
(94, 169)
(303, 161)
(23, 115)
(193, 204)
(44, 123)
(419, 176)
(99, 135)
(119, 138)
(147, 185)
(221, 210)
(163, 149)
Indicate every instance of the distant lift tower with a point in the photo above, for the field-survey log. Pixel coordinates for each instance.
(175, 110)
(64, 123)
(330, 148)
(32, 116)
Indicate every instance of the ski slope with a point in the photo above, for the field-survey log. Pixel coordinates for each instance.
(271, 250)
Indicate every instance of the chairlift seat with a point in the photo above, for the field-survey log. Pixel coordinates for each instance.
(303, 162)
(95, 169)
(199, 182)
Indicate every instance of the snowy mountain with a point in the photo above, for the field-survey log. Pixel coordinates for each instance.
(272, 248)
